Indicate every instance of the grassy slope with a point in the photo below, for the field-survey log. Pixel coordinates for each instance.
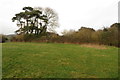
(47, 60)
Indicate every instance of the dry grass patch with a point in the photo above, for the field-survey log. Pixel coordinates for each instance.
(97, 46)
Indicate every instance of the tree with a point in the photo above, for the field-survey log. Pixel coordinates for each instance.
(85, 34)
(52, 18)
(115, 35)
(36, 20)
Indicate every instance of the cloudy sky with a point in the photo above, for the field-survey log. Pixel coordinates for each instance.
(72, 13)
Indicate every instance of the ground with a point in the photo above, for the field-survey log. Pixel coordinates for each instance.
(55, 60)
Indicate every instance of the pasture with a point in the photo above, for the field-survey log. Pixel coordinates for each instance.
(57, 60)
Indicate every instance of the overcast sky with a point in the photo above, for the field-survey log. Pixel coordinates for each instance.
(72, 13)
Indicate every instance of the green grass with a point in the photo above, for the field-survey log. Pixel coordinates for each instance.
(53, 60)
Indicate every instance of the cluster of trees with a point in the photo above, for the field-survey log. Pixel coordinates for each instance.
(36, 21)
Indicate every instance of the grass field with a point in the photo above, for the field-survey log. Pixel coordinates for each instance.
(53, 60)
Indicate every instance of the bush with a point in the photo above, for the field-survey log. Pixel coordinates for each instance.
(3, 38)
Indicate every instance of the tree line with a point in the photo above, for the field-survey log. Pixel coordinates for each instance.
(106, 36)
(38, 24)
